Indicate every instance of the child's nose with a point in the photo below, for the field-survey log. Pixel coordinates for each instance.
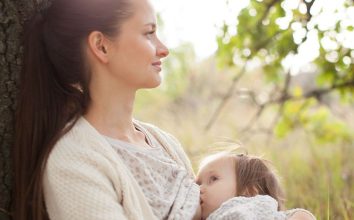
(202, 189)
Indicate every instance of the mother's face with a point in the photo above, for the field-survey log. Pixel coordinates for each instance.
(136, 52)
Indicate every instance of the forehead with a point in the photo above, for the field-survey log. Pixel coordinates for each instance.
(143, 11)
(216, 164)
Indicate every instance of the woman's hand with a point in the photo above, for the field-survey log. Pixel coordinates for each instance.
(198, 213)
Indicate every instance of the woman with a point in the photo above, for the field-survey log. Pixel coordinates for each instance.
(79, 154)
(84, 61)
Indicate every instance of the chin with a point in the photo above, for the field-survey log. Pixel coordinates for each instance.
(153, 83)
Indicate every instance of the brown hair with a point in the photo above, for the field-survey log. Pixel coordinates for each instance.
(53, 88)
(255, 176)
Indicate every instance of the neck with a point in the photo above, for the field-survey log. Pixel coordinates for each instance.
(112, 116)
(111, 109)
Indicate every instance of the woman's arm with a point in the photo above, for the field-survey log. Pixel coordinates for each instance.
(77, 186)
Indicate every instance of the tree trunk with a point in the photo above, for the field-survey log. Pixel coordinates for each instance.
(13, 13)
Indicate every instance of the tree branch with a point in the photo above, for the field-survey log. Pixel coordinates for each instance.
(285, 96)
(266, 12)
(285, 93)
(317, 93)
(227, 96)
(231, 89)
(254, 119)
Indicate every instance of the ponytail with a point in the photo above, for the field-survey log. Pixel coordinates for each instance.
(44, 108)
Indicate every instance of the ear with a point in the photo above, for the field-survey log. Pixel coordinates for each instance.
(98, 45)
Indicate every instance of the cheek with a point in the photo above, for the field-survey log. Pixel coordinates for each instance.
(221, 193)
(136, 49)
(225, 193)
(143, 49)
(214, 197)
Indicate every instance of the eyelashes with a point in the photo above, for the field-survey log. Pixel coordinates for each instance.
(210, 180)
(153, 32)
(213, 179)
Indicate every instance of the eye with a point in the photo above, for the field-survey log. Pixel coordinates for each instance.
(150, 33)
(213, 179)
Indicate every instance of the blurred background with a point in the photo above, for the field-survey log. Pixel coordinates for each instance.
(276, 77)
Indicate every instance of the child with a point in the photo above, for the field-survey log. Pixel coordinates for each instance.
(241, 187)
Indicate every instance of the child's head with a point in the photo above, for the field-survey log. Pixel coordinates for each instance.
(225, 175)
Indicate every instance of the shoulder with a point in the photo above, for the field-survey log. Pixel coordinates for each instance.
(161, 135)
(81, 147)
(78, 162)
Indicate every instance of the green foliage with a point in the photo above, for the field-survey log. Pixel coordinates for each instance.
(315, 120)
(266, 34)
(318, 176)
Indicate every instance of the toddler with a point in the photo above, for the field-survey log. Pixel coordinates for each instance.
(241, 187)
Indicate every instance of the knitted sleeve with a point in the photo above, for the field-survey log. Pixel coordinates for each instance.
(77, 185)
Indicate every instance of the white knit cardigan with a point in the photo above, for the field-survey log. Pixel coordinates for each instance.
(85, 179)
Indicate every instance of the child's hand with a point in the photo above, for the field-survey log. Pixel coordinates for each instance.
(301, 215)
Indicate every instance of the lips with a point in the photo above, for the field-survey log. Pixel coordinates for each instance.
(157, 65)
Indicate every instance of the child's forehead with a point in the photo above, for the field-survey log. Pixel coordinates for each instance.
(215, 160)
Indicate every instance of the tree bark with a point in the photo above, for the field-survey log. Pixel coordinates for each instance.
(13, 14)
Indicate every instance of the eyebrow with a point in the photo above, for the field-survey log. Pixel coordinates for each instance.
(151, 24)
(211, 172)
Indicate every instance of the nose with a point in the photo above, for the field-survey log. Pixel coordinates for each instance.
(202, 189)
(162, 50)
